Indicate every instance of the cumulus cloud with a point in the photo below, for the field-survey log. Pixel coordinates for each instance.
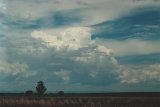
(63, 74)
(13, 68)
(93, 60)
(131, 74)
(70, 56)
(63, 55)
(74, 40)
(71, 38)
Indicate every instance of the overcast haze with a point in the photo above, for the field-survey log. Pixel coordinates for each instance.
(80, 45)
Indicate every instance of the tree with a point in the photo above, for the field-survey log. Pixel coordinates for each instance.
(40, 88)
(60, 93)
(29, 92)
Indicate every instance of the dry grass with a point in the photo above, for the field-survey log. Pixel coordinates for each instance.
(78, 101)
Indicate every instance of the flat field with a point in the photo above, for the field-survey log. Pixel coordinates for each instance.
(82, 100)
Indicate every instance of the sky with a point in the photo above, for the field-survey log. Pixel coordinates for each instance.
(80, 45)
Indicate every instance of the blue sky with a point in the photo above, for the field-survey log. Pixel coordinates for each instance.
(80, 45)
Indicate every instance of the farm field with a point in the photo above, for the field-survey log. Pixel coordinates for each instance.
(82, 100)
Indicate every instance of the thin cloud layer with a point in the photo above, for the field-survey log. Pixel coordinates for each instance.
(132, 46)
(92, 12)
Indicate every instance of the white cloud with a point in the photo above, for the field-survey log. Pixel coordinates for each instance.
(74, 38)
(65, 75)
(2, 11)
(75, 46)
(33, 9)
(103, 50)
(2, 6)
(131, 74)
(92, 12)
(131, 46)
(70, 38)
(13, 68)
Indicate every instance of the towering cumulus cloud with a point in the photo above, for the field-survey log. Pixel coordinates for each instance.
(81, 59)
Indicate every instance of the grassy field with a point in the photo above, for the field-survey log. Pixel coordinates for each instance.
(81, 100)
